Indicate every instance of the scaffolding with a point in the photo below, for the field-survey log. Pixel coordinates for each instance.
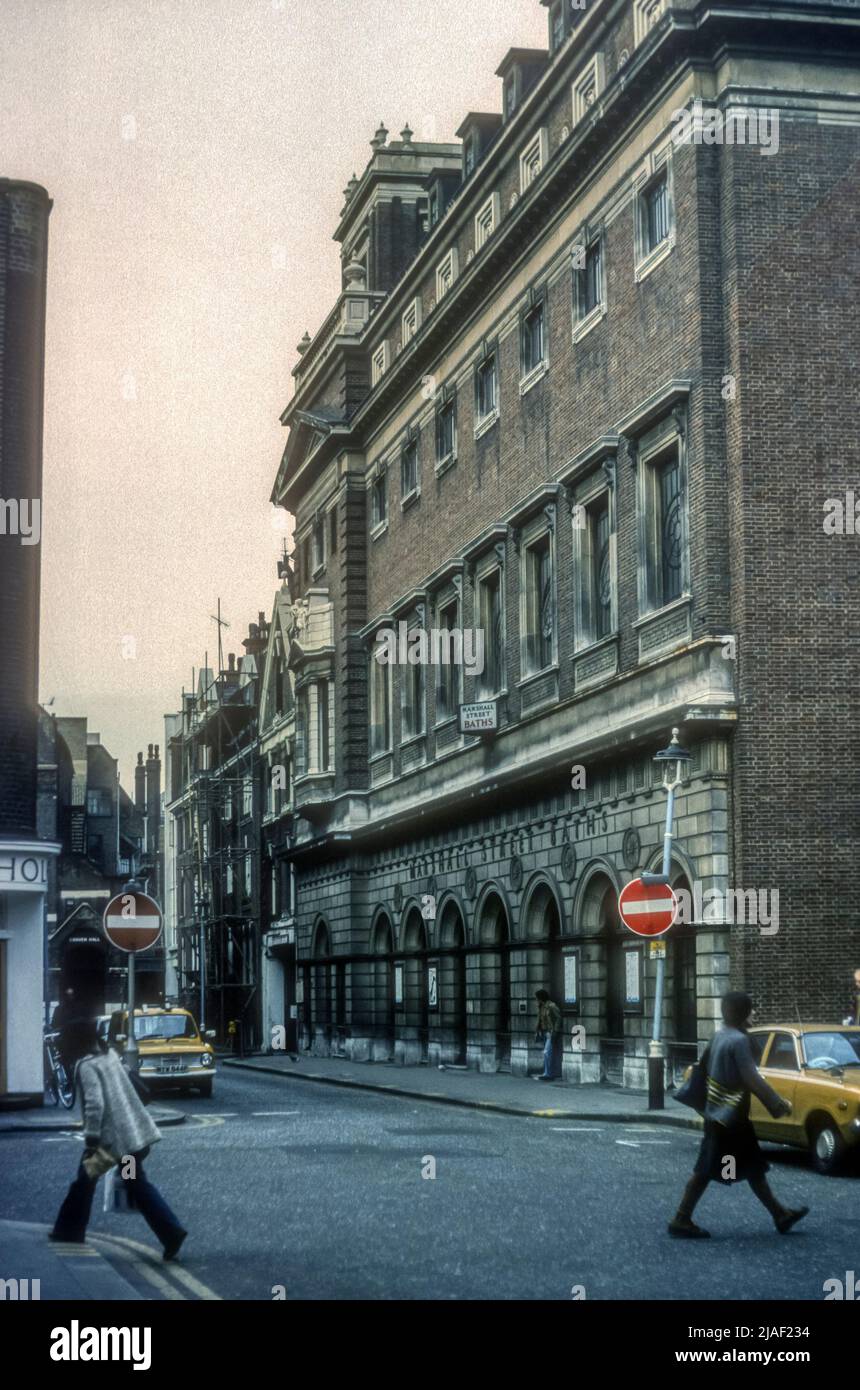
(217, 810)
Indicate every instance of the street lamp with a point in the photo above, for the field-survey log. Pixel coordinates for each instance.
(202, 905)
(674, 761)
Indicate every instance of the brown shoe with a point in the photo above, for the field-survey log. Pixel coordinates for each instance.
(789, 1219)
(686, 1229)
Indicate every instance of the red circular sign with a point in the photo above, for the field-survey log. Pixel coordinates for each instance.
(648, 909)
(132, 921)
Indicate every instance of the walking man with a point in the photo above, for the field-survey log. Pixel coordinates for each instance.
(549, 1033)
(114, 1120)
(729, 1151)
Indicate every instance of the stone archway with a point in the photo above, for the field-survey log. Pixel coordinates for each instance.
(542, 928)
(412, 1045)
(602, 983)
(493, 1025)
(451, 1044)
(382, 989)
(321, 1004)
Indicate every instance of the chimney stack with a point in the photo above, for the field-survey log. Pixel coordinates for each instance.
(140, 784)
(153, 816)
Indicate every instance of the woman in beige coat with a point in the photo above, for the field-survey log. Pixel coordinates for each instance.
(114, 1119)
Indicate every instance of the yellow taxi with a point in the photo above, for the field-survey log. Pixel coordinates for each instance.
(172, 1051)
(815, 1066)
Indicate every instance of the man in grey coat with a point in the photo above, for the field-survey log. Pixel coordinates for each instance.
(114, 1119)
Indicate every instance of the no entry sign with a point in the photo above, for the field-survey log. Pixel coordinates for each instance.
(132, 921)
(647, 909)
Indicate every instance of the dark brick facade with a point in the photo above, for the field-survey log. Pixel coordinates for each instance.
(24, 212)
(731, 347)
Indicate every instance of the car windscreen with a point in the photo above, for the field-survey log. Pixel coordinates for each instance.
(165, 1026)
(825, 1049)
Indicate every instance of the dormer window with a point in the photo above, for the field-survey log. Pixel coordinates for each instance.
(477, 132)
(520, 69)
(434, 206)
(470, 155)
(557, 26)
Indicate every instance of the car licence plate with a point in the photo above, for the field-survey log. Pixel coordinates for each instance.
(172, 1065)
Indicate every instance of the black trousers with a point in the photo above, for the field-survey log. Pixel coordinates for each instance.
(74, 1215)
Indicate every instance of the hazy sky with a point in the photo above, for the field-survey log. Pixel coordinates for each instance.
(196, 152)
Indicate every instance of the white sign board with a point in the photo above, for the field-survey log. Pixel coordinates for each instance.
(570, 982)
(634, 989)
(480, 718)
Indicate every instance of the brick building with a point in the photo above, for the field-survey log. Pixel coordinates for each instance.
(586, 389)
(212, 852)
(24, 857)
(102, 834)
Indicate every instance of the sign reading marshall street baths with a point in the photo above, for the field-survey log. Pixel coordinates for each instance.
(480, 718)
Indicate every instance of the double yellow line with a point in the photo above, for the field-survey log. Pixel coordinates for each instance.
(150, 1267)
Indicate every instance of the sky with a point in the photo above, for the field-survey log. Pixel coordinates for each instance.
(196, 152)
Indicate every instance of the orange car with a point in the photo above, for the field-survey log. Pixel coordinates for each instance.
(171, 1049)
(816, 1066)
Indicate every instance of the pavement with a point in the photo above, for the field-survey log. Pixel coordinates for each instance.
(497, 1091)
(57, 1119)
(58, 1272)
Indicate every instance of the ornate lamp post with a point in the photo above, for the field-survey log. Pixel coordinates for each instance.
(675, 761)
(202, 907)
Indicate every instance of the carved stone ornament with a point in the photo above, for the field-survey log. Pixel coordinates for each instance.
(631, 849)
(568, 863)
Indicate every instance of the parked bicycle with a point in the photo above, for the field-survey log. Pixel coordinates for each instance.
(59, 1085)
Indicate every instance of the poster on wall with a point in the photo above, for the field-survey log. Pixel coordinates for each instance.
(570, 977)
(633, 991)
(433, 985)
(398, 984)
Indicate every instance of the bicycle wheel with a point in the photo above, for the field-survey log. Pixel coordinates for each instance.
(52, 1094)
(65, 1087)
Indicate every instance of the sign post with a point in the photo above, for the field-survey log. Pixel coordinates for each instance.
(132, 923)
(674, 761)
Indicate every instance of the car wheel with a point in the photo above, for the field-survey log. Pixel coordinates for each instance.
(828, 1148)
(205, 1087)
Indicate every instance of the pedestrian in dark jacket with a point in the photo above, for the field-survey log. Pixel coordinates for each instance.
(114, 1119)
(549, 1033)
(852, 1017)
(729, 1151)
(68, 1011)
